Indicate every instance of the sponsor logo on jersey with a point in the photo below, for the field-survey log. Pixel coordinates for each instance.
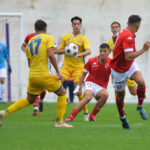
(94, 65)
(129, 38)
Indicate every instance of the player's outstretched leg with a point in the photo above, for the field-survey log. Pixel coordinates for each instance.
(85, 109)
(101, 96)
(20, 104)
(72, 115)
(120, 106)
(87, 97)
(141, 96)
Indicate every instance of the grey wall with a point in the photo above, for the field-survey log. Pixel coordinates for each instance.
(97, 16)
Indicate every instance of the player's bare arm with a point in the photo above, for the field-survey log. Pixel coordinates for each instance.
(54, 63)
(85, 53)
(59, 51)
(29, 63)
(132, 55)
(23, 47)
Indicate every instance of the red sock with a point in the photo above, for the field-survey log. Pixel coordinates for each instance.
(73, 113)
(141, 95)
(120, 106)
(35, 104)
(95, 111)
(42, 95)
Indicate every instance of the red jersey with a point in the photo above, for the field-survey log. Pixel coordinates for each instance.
(125, 43)
(98, 73)
(28, 37)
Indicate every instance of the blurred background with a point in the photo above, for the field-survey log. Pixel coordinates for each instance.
(97, 17)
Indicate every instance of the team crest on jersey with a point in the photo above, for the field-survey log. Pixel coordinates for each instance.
(68, 40)
(79, 40)
(0, 47)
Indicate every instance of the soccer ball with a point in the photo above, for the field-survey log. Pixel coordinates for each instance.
(71, 49)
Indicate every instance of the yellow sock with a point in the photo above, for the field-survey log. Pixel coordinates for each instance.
(17, 106)
(85, 109)
(61, 108)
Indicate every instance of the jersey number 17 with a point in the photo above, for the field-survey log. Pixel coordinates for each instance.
(38, 42)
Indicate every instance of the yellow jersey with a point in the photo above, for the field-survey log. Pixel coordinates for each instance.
(37, 53)
(82, 42)
(111, 44)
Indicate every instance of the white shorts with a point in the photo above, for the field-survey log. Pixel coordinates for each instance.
(2, 72)
(92, 86)
(119, 80)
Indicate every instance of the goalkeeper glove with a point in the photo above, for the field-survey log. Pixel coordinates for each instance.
(9, 68)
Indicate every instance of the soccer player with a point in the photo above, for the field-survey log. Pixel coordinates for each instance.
(115, 29)
(4, 56)
(73, 66)
(42, 95)
(95, 84)
(39, 49)
(123, 67)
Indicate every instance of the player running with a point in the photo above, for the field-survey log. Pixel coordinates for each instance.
(42, 95)
(115, 29)
(123, 67)
(95, 84)
(4, 56)
(39, 49)
(73, 66)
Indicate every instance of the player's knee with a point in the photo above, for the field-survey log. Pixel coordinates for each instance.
(140, 83)
(61, 92)
(88, 97)
(31, 99)
(2, 80)
(133, 92)
(105, 95)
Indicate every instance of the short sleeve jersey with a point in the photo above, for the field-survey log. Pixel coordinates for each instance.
(28, 37)
(111, 44)
(37, 53)
(3, 55)
(82, 42)
(125, 43)
(98, 73)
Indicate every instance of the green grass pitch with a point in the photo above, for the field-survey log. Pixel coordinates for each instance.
(22, 131)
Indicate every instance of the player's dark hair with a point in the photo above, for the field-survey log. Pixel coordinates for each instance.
(115, 22)
(104, 45)
(76, 18)
(40, 25)
(134, 19)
